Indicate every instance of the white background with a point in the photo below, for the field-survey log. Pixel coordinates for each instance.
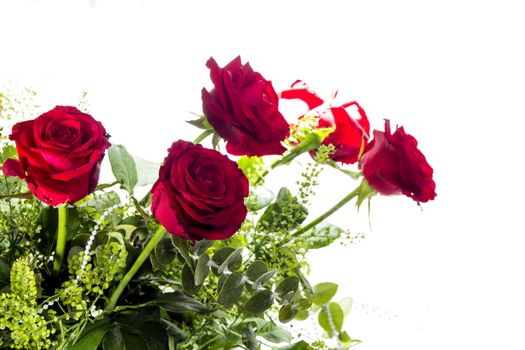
(452, 72)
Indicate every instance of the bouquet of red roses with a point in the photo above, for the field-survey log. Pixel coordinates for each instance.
(209, 258)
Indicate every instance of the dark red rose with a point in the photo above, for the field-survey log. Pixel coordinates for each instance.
(199, 194)
(243, 110)
(350, 133)
(392, 164)
(59, 154)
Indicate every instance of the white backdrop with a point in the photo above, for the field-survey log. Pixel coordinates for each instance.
(452, 72)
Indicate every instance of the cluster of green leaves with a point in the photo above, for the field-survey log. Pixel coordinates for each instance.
(21, 326)
(108, 265)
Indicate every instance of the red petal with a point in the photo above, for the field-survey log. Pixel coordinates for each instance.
(300, 90)
(12, 167)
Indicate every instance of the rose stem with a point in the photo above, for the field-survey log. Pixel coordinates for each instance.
(326, 214)
(312, 141)
(134, 268)
(202, 136)
(61, 238)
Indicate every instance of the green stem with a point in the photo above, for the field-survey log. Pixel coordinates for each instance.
(311, 142)
(202, 136)
(134, 268)
(329, 212)
(61, 238)
(22, 195)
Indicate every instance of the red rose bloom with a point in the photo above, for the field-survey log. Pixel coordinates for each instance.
(243, 110)
(392, 164)
(199, 194)
(59, 154)
(350, 133)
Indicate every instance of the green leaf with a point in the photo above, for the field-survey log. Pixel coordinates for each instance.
(92, 336)
(263, 279)
(256, 270)
(184, 249)
(100, 201)
(126, 229)
(215, 141)
(73, 222)
(320, 235)
(123, 167)
(174, 331)
(165, 251)
(220, 257)
(365, 192)
(304, 304)
(232, 262)
(134, 341)
(346, 305)
(276, 335)
(179, 302)
(261, 301)
(113, 340)
(324, 292)
(331, 318)
(260, 198)
(142, 329)
(302, 315)
(201, 122)
(287, 297)
(147, 171)
(289, 284)
(202, 269)
(287, 313)
(300, 345)
(202, 246)
(231, 289)
(188, 280)
(5, 272)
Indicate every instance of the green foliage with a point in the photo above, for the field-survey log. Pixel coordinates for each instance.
(252, 167)
(331, 318)
(123, 166)
(235, 293)
(105, 265)
(285, 214)
(20, 321)
(324, 292)
(320, 236)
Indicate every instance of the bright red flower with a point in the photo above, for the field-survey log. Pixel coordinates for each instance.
(392, 164)
(243, 110)
(59, 154)
(350, 133)
(200, 193)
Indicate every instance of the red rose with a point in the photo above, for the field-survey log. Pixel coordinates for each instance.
(243, 110)
(350, 133)
(59, 154)
(199, 194)
(392, 164)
